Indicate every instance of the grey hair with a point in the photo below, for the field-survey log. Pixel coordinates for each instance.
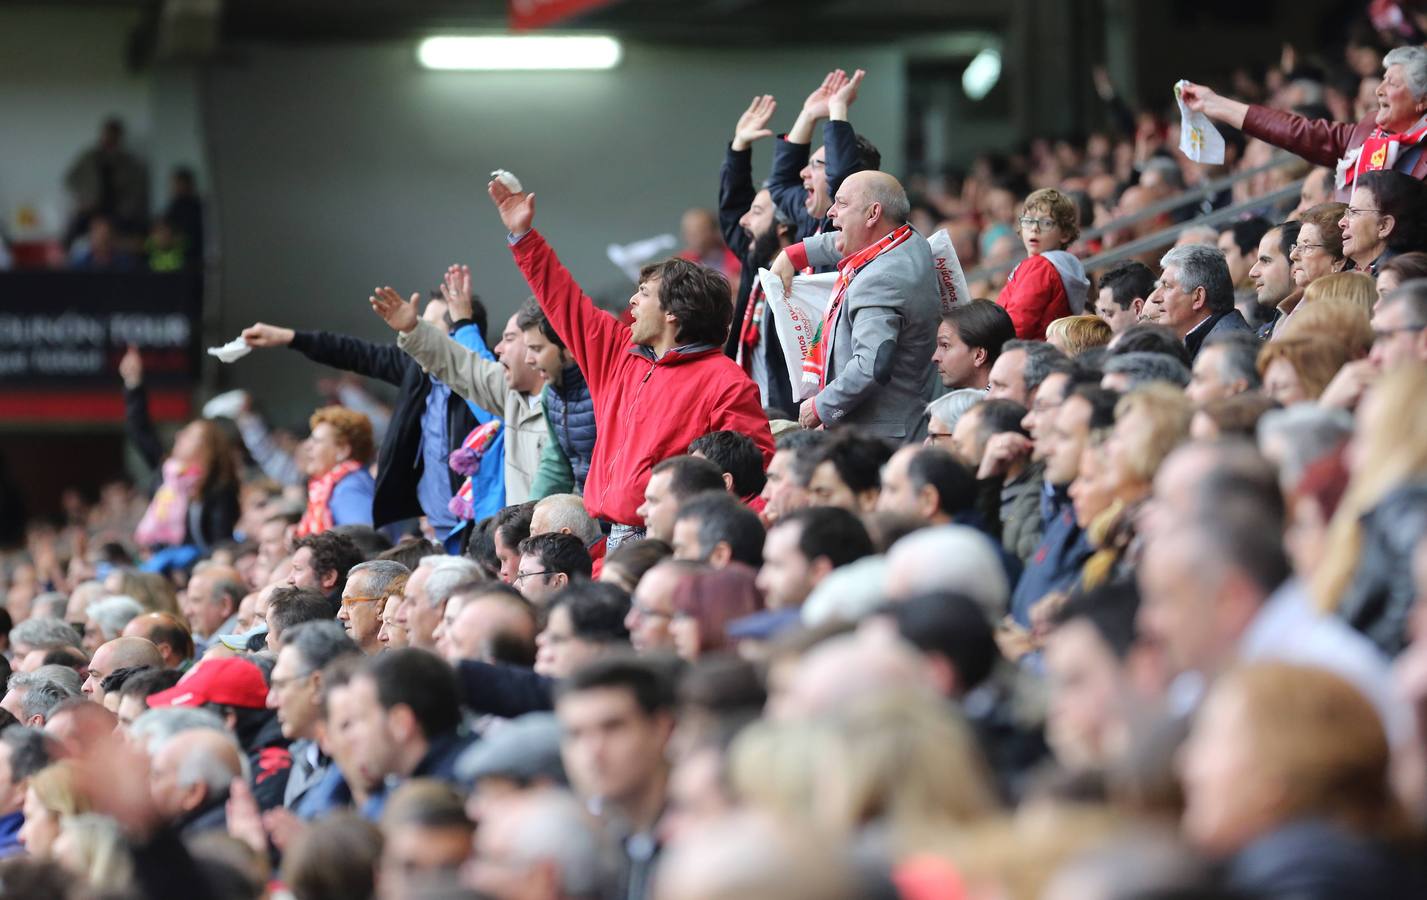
(45, 688)
(1239, 361)
(54, 599)
(112, 613)
(554, 826)
(318, 643)
(1414, 68)
(1145, 366)
(1413, 295)
(447, 574)
(954, 557)
(950, 407)
(568, 511)
(1305, 432)
(198, 766)
(157, 726)
(44, 634)
(1198, 235)
(31, 749)
(1041, 360)
(1203, 267)
(381, 573)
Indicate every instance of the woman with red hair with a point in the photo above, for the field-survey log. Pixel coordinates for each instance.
(705, 603)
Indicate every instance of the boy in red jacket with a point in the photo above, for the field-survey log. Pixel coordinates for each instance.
(657, 384)
(1050, 283)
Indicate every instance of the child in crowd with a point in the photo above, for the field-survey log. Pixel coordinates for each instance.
(1050, 283)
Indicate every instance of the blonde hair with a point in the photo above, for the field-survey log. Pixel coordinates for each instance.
(353, 429)
(1315, 359)
(154, 592)
(100, 855)
(905, 760)
(1060, 208)
(773, 765)
(1319, 741)
(1169, 413)
(1353, 286)
(1392, 453)
(56, 788)
(1338, 319)
(1079, 333)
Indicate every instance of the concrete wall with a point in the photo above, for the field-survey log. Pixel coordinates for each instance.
(339, 168)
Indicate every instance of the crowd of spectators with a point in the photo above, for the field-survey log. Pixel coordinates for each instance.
(1110, 583)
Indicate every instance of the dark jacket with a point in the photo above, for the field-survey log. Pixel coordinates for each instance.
(1020, 504)
(214, 513)
(570, 411)
(1317, 860)
(439, 764)
(1217, 323)
(1379, 599)
(503, 690)
(1056, 564)
(399, 462)
(785, 182)
(735, 195)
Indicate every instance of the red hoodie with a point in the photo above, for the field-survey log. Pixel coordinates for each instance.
(646, 410)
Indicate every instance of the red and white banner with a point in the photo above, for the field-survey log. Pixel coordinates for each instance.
(529, 14)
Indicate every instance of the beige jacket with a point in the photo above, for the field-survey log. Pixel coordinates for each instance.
(482, 382)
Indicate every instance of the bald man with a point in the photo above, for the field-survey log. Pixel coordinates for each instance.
(167, 633)
(882, 318)
(120, 653)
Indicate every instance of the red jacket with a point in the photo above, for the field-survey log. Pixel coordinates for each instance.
(646, 410)
(1034, 296)
(1319, 141)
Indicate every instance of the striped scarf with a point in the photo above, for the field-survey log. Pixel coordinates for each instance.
(751, 329)
(815, 363)
(318, 517)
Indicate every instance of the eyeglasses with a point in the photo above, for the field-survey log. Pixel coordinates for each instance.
(1353, 212)
(1382, 334)
(1027, 223)
(938, 435)
(278, 684)
(645, 612)
(348, 601)
(524, 575)
(1302, 249)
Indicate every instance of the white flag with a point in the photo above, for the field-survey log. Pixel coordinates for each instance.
(797, 318)
(1198, 138)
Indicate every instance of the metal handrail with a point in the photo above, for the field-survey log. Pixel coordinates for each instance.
(1168, 235)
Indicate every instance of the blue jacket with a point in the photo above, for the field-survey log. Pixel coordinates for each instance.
(571, 413)
(438, 763)
(1056, 563)
(10, 835)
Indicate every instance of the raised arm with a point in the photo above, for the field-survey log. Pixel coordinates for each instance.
(735, 188)
(1205, 100)
(349, 354)
(137, 421)
(839, 138)
(594, 337)
(480, 381)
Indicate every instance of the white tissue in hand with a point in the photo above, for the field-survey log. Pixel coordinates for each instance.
(226, 405)
(232, 351)
(507, 179)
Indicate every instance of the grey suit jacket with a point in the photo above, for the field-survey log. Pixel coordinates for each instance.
(883, 340)
(303, 775)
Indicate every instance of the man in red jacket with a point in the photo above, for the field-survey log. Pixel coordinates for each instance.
(657, 384)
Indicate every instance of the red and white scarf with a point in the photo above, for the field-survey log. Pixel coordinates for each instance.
(752, 327)
(1379, 151)
(815, 363)
(318, 517)
(165, 522)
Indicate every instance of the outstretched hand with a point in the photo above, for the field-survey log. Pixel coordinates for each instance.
(516, 210)
(456, 291)
(753, 124)
(131, 368)
(260, 334)
(816, 106)
(401, 316)
(1195, 95)
(845, 96)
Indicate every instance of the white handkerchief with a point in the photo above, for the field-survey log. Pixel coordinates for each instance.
(232, 351)
(226, 405)
(1198, 138)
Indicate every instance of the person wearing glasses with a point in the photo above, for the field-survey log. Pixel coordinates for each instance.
(548, 564)
(1400, 327)
(369, 584)
(1384, 218)
(1319, 248)
(1050, 283)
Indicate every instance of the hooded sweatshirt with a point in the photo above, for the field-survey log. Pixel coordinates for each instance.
(1044, 288)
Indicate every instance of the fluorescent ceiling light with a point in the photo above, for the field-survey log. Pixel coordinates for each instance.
(982, 74)
(532, 53)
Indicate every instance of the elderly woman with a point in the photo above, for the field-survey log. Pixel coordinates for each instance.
(1389, 139)
(1386, 215)
(1286, 779)
(1318, 251)
(339, 489)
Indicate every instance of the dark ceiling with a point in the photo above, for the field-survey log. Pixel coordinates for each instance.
(700, 21)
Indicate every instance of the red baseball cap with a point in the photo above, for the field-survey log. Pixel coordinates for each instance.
(227, 682)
